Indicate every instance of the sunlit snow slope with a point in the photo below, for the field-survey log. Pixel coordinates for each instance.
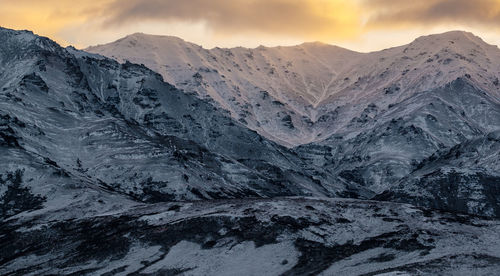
(306, 93)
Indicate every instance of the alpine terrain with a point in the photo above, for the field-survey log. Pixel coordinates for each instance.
(154, 156)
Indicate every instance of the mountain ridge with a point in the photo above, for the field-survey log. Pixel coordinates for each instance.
(452, 33)
(307, 85)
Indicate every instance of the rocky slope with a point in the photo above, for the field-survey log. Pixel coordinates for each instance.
(395, 146)
(121, 127)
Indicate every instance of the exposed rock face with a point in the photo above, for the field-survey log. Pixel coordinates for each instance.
(462, 179)
(442, 141)
(106, 169)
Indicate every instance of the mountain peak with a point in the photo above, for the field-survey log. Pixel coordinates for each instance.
(3, 29)
(141, 35)
(318, 44)
(20, 35)
(143, 39)
(16, 42)
(451, 37)
(315, 43)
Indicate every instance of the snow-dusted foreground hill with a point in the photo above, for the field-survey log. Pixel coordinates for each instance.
(106, 169)
(292, 236)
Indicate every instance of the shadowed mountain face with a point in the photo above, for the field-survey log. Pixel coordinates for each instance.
(121, 127)
(450, 131)
(107, 169)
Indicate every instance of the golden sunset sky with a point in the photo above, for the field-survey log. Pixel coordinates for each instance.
(363, 25)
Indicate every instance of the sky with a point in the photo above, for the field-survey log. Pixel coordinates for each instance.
(362, 25)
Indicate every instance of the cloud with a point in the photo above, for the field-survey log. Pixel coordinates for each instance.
(305, 18)
(330, 20)
(430, 12)
(360, 24)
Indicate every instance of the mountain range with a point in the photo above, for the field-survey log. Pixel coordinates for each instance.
(373, 120)
(154, 156)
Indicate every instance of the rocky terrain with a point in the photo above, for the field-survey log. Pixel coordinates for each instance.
(267, 161)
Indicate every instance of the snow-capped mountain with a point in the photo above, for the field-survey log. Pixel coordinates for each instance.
(369, 118)
(272, 90)
(228, 160)
(302, 94)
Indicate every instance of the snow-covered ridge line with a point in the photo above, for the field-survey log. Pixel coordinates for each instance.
(294, 94)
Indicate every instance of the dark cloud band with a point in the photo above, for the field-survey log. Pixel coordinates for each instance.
(294, 17)
(479, 12)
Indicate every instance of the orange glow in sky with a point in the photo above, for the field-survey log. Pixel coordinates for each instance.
(363, 25)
